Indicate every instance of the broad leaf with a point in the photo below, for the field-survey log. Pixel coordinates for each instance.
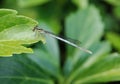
(21, 69)
(87, 28)
(16, 30)
(80, 67)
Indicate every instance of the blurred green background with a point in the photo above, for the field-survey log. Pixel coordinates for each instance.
(96, 23)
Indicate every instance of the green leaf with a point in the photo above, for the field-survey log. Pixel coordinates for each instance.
(114, 2)
(84, 66)
(103, 70)
(30, 3)
(22, 70)
(87, 28)
(80, 67)
(16, 30)
(114, 39)
(42, 67)
(116, 11)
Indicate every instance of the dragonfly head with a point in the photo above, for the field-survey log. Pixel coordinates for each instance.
(38, 29)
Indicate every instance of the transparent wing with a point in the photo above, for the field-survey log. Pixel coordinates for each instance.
(69, 42)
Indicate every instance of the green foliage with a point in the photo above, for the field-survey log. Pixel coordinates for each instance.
(15, 30)
(116, 9)
(90, 24)
(114, 39)
(23, 69)
(81, 68)
(29, 3)
(114, 2)
(81, 3)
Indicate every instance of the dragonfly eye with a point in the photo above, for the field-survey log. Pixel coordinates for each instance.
(37, 29)
(34, 29)
(41, 30)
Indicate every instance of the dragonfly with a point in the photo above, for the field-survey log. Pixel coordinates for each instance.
(74, 44)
